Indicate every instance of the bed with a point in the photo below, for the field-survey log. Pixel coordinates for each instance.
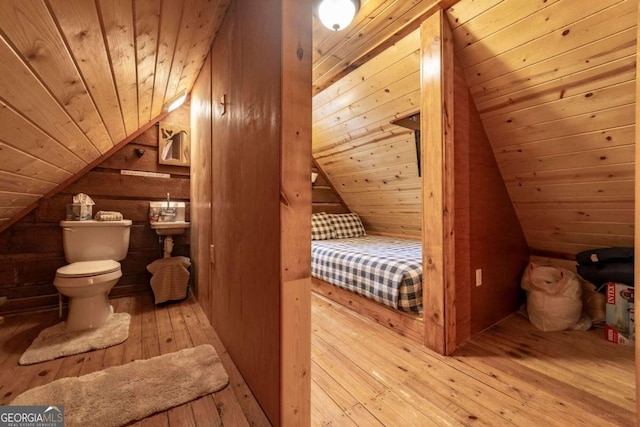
(385, 269)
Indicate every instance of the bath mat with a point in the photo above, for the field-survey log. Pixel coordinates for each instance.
(121, 394)
(55, 342)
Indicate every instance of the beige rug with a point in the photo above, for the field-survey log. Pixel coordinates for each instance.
(56, 342)
(121, 394)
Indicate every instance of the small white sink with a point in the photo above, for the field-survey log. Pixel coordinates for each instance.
(169, 228)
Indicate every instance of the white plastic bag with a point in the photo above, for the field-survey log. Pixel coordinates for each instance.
(554, 297)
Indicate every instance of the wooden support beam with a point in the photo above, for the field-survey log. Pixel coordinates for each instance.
(438, 245)
(295, 214)
(637, 217)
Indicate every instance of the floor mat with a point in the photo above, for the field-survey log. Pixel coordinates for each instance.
(55, 341)
(121, 394)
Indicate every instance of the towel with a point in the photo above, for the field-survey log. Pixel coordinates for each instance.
(108, 216)
(170, 278)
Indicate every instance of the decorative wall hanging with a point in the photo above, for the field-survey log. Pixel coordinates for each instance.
(173, 144)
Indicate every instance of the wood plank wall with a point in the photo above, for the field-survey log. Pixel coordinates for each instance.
(259, 181)
(554, 86)
(245, 302)
(488, 235)
(201, 123)
(31, 250)
(372, 163)
(324, 197)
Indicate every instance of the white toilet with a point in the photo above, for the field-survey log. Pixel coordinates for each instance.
(93, 249)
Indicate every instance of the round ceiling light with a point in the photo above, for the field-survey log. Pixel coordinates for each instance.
(337, 14)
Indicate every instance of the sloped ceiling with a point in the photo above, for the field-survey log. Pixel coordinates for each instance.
(77, 77)
(372, 163)
(377, 25)
(555, 87)
(363, 78)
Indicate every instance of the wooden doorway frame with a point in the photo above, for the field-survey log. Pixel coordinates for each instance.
(637, 213)
(437, 148)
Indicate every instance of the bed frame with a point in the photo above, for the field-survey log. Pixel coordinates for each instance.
(406, 324)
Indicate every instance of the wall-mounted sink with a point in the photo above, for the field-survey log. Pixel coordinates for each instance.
(170, 228)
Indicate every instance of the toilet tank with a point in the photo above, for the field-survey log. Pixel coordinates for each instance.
(95, 240)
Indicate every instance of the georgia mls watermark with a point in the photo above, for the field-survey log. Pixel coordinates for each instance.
(31, 416)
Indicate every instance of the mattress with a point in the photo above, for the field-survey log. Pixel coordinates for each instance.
(385, 269)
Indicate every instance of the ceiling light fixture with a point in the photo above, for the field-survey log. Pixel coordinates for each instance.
(337, 14)
(175, 102)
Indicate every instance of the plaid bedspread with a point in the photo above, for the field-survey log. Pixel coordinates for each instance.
(388, 270)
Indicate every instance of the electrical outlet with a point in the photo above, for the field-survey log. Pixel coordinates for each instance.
(479, 277)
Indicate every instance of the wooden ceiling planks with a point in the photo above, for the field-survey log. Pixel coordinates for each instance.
(34, 34)
(567, 34)
(147, 24)
(170, 18)
(81, 28)
(117, 21)
(555, 89)
(377, 26)
(20, 88)
(554, 70)
(554, 86)
(78, 77)
(20, 133)
(372, 163)
(20, 163)
(202, 33)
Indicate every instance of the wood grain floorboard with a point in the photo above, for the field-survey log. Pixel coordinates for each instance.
(366, 375)
(154, 330)
(512, 374)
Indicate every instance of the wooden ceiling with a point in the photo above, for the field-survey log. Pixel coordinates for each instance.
(364, 77)
(78, 77)
(377, 25)
(371, 162)
(555, 87)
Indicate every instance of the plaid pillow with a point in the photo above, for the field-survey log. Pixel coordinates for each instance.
(347, 225)
(321, 228)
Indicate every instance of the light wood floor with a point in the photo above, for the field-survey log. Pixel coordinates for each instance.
(154, 330)
(365, 375)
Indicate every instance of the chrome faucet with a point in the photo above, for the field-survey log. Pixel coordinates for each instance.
(167, 213)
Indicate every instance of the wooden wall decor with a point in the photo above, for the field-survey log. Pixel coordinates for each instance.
(79, 77)
(174, 144)
(554, 87)
(31, 250)
(260, 196)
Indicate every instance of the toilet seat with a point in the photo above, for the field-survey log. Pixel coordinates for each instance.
(88, 268)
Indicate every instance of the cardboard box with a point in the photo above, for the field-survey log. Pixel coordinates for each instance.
(620, 326)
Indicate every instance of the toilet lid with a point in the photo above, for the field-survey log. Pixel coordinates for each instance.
(88, 268)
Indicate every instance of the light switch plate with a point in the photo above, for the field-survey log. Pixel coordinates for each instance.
(479, 277)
